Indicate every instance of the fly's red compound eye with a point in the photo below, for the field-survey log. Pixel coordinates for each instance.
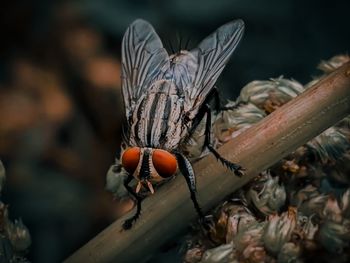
(131, 158)
(164, 162)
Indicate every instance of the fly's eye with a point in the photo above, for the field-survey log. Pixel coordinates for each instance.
(164, 162)
(131, 158)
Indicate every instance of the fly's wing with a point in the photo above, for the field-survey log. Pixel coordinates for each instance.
(212, 55)
(143, 61)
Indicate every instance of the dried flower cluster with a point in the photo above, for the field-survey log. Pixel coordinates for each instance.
(298, 210)
(14, 236)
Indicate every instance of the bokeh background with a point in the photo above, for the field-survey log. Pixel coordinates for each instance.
(60, 101)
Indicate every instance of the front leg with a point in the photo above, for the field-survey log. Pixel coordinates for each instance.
(187, 171)
(237, 169)
(128, 223)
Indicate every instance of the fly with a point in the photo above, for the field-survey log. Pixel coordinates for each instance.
(165, 98)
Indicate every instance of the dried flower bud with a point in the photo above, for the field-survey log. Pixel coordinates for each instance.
(309, 201)
(231, 123)
(194, 255)
(332, 210)
(267, 195)
(334, 236)
(338, 171)
(279, 230)
(328, 66)
(329, 145)
(255, 254)
(269, 95)
(115, 180)
(345, 204)
(18, 234)
(238, 222)
(307, 231)
(250, 247)
(228, 221)
(220, 254)
(249, 238)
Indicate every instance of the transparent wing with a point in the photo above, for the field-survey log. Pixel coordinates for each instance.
(143, 61)
(212, 55)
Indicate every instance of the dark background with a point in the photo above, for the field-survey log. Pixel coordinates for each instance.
(60, 104)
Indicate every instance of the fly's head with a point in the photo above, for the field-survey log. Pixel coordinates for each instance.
(148, 165)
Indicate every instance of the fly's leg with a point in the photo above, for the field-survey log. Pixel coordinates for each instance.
(207, 143)
(128, 223)
(187, 171)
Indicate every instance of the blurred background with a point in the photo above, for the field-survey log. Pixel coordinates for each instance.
(60, 101)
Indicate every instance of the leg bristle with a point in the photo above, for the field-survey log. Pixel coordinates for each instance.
(237, 169)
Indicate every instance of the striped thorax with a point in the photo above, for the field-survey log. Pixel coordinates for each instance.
(157, 119)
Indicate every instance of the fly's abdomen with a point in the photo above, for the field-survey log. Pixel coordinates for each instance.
(157, 118)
